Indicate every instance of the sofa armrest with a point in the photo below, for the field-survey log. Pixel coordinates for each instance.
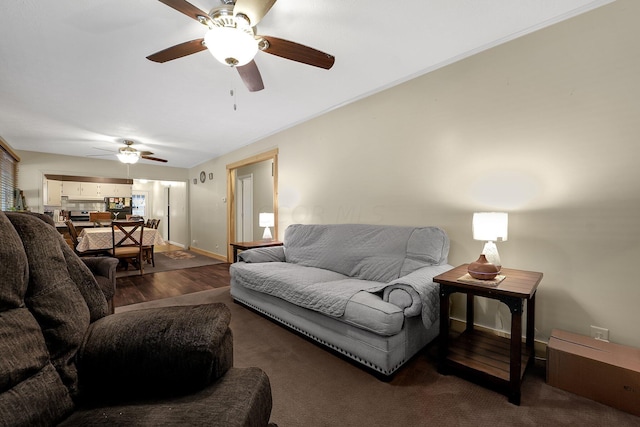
(155, 352)
(268, 254)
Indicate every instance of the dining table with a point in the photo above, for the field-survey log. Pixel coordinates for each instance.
(100, 238)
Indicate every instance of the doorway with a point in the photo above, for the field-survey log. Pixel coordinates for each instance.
(167, 214)
(244, 210)
(270, 158)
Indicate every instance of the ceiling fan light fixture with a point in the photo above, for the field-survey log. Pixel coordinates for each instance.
(231, 46)
(128, 155)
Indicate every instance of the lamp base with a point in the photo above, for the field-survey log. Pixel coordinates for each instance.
(267, 234)
(490, 251)
(482, 269)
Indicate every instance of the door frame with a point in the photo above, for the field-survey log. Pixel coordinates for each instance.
(231, 193)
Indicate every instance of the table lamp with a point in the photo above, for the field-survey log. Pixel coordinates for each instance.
(266, 220)
(491, 227)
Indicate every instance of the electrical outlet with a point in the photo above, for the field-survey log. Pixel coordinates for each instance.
(598, 333)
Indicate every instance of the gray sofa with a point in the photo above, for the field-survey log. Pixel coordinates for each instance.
(365, 291)
(65, 360)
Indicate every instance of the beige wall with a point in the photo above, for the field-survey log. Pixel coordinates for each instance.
(545, 127)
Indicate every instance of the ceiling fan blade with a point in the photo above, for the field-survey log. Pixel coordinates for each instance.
(251, 76)
(255, 10)
(178, 51)
(157, 159)
(185, 7)
(297, 52)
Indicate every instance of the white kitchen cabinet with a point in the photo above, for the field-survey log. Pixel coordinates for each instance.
(115, 190)
(85, 188)
(52, 192)
(72, 189)
(76, 190)
(91, 191)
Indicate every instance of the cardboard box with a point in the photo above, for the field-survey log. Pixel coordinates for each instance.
(605, 372)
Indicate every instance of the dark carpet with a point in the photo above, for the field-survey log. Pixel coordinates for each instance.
(314, 387)
(171, 260)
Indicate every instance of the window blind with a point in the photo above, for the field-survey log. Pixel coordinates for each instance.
(8, 176)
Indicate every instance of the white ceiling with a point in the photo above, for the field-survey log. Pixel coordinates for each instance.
(74, 78)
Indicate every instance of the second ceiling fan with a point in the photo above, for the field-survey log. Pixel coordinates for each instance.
(233, 41)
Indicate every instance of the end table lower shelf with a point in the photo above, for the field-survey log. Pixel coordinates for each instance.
(486, 355)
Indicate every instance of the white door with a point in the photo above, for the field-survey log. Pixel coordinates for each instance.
(244, 209)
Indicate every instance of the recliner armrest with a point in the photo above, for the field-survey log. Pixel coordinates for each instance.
(155, 352)
(103, 266)
(104, 270)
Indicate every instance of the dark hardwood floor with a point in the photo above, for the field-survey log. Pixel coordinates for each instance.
(148, 287)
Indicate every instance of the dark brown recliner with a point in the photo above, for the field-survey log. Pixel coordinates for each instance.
(67, 361)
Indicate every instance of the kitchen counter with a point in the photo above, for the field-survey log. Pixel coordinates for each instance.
(83, 224)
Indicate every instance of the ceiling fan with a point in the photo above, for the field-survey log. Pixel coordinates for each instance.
(130, 155)
(233, 41)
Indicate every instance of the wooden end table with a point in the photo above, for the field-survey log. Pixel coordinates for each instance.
(243, 246)
(482, 355)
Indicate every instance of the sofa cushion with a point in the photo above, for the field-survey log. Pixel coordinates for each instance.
(14, 270)
(362, 251)
(241, 398)
(426, 246)
(155, 352)
(313, 288)
(52, 296)
(39, 400)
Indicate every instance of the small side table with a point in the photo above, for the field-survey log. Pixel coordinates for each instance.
(243, 246)
(487, 356)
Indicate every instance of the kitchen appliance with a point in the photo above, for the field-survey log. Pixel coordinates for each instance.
(80, 216)
(120, 207)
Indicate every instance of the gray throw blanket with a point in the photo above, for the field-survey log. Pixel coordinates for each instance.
(416, 293)
(321, 267)
(329, 292)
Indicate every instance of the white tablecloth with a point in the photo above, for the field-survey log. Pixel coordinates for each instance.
(100, 238)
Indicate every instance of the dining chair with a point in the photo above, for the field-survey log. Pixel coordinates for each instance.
(127, 241)
(149, 252)
(75, 240)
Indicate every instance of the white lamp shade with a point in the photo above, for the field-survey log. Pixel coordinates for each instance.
(266, 219)
(490, 226)
(231, 46)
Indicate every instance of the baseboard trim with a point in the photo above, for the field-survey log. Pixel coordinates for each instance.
(209, 254)
(539, 347)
